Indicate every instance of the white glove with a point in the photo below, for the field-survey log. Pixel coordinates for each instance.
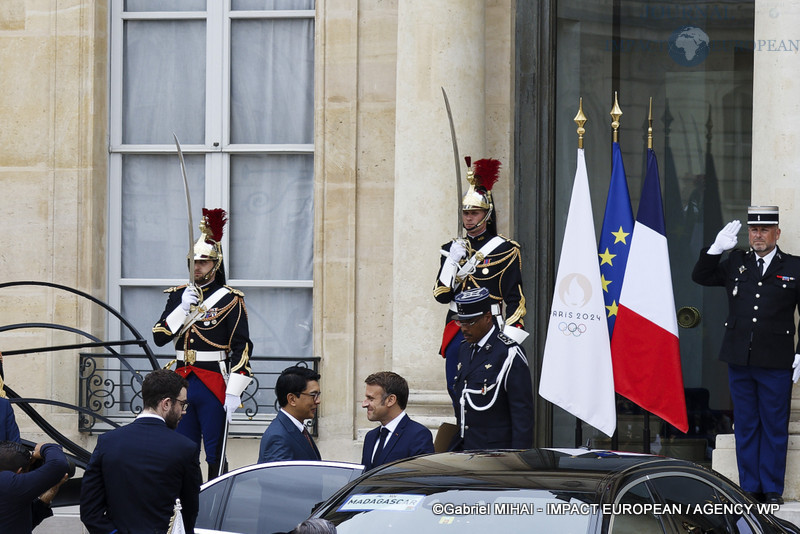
(796, 368)
(188, 299)
(232, 402)
(457, 251)
(726, 238)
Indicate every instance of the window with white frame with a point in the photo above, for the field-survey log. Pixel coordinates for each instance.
(233, 80)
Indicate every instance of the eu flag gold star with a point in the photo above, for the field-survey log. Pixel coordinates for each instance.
(619, 235)
(604, 282)
(612, 310)
(606, 257)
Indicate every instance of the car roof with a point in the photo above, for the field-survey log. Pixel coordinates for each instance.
(568, 469)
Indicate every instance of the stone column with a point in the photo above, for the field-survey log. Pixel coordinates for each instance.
(440, 44)
(776, 112)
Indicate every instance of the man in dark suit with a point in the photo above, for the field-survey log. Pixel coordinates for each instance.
(398, 437)
(25, 495)
(493, 381)
(763, 288)
(287, 438)
(137, 471)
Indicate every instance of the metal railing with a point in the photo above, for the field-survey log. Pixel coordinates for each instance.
(115, 392)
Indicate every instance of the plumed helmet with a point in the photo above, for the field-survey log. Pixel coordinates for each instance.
(209, 245)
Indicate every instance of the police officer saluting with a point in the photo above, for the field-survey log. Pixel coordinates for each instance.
(492, 381)
(758, 345)
(212, 342)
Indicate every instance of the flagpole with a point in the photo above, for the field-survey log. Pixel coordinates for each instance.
(580, 119)
(615, 113)
(646, 420)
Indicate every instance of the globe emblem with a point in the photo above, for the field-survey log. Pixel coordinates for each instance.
(689, 46)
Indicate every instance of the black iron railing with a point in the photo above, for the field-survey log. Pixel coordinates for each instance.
(113, 391)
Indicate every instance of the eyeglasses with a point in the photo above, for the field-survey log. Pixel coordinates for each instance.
(314, 395)
(184, 404)
(468, 323)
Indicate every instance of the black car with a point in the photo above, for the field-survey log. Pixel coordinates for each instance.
(546, 490)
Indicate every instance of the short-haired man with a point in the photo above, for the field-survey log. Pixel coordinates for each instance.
(25, 495)
(493, 381)
(763, 288)
(287, 438)
(137, 471)
(398, 437)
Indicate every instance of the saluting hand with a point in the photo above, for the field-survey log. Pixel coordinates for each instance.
(726, 238)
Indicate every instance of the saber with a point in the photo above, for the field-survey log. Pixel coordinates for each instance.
(455, 156)
(191, 224)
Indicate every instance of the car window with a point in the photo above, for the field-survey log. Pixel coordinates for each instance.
(696, 506)
(211, 502)
(276, 499)
(631, 516)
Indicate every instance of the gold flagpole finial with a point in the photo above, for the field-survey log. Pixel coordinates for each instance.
(650, 125)
(615, 113)
(580, 120)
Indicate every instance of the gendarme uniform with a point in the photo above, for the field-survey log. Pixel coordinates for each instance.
(492, 261)
(493, 386)
(212, 344)
(759, 347)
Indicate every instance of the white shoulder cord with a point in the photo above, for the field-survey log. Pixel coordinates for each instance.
(501, 376)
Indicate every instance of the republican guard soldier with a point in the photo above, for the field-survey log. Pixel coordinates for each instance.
(212, 342)
(481, 259)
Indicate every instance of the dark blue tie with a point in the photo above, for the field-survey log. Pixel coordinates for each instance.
(381, 441)
(760, 262)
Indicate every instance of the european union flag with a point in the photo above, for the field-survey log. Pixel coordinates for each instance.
(615, 237)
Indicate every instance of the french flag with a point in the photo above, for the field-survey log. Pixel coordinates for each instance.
(644, 345)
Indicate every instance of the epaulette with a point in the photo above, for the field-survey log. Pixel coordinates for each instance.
(505, 339)
(174, 289)
(236, 292)
(510, 241)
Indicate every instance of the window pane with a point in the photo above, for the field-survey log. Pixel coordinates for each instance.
(258, 5)
(272, 215)
(685, 491)
(165, 5)
(155, 239)
(163, 91)
(142, 306)
(281, 496)
(272, 81)
(636, 523)
(280, 321)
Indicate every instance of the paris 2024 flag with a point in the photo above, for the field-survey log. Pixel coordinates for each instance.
(644, 346)
(576, 369)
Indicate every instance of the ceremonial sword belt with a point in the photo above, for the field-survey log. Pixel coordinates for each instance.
(192, 356)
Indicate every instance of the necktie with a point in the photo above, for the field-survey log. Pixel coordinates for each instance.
(760, 263)
(308, 437)
(381, 441)
(475, 348)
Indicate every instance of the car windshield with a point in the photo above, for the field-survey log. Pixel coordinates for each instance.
(464, 511)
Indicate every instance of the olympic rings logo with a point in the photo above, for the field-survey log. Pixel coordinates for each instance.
(572, 329)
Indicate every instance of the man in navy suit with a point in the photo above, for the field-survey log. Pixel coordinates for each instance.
(137, 471)
(286, 438)
(493, 381)
(398, 436)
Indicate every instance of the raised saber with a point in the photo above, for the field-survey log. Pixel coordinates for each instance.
(456, 157)
(189, 218)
